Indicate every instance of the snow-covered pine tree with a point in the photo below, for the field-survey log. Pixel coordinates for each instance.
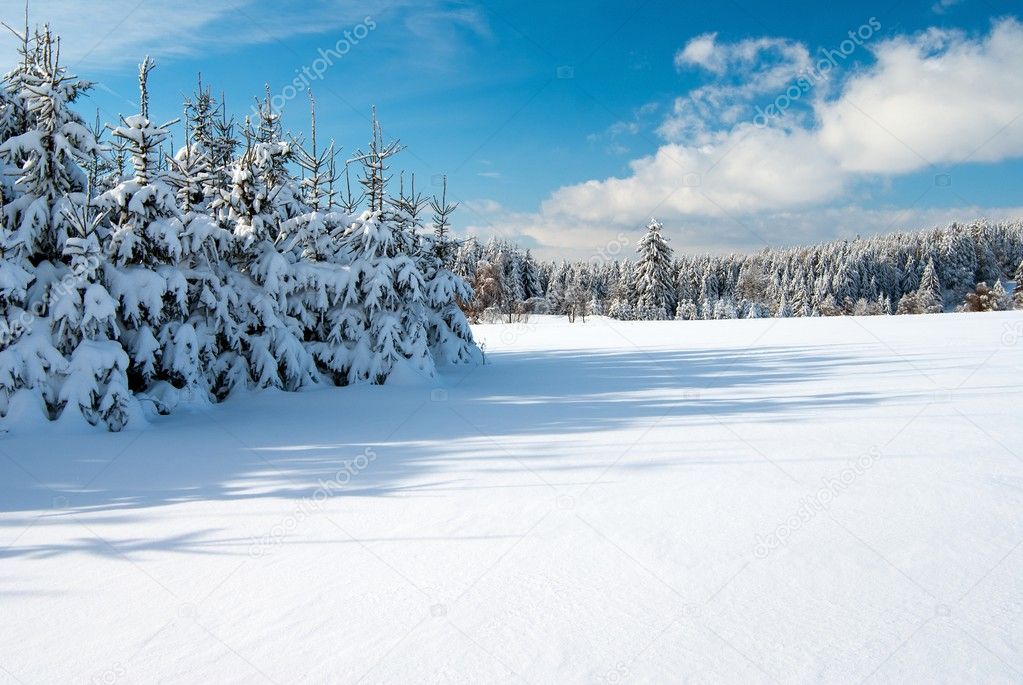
(43, 183)
(263, 277)
(213, 137)
(143, 275)
(958, 259)
(1000, 298)
(313, 241)
(531, 277)
(212, 303)
(784, 311)
(654, 283)
(514, 293)
(223, 147)
(623, 294)
(386, 279)
(442, 211)
(47, 154)
(448, 332)
(724, 308)
(686, 310)
(910, 280)
(928, 296)
(95, 385)
(1017, 291)
(710, 290)
(19, 367)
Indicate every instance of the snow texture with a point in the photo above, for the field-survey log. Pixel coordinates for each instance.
(792, 500)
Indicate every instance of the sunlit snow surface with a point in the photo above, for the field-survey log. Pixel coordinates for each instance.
(738, 501)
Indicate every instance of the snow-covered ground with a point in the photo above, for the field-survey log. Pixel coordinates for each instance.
(796, 500)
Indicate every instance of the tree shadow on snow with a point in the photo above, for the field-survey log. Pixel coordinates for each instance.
(386, 441)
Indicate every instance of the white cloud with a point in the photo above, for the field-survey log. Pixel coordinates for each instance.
(701, 51)
(753, 65)
(748, 169)
(615, 136)
(553, 237)
(742, 71)
(938, 97)
(943, 6)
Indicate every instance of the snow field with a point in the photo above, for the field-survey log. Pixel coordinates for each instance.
(784, 500)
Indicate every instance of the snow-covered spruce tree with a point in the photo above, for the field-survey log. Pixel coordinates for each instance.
(724, 308)
(710, 290)
(467, 256)
(271, 339)
(43, 182)
(213, 141)
(1000, 298)
(47, 154)
(1017, 291)
(18, 372)
(655, 285)
(928, 296)
(385, 281)
(213, 304)
(442, 211)
(448, 332)
(514, 291)
(783, 311)
(957, 256)
(223, 147)
(531, 277)
(686, 310)
(85, 326)
(143, 274)
(313, 242)
(623, 294)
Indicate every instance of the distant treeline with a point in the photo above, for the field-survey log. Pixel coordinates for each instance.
(961, 266)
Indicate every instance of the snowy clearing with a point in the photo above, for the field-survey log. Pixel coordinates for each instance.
(783, 499)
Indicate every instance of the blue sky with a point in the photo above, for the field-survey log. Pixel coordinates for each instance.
(564, 127)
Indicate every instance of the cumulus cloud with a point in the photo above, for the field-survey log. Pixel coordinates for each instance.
(741, 70)
(554, 237)
(615, 138)
(936, 98)
(770, 60)
(943, 6)
(745, 170)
